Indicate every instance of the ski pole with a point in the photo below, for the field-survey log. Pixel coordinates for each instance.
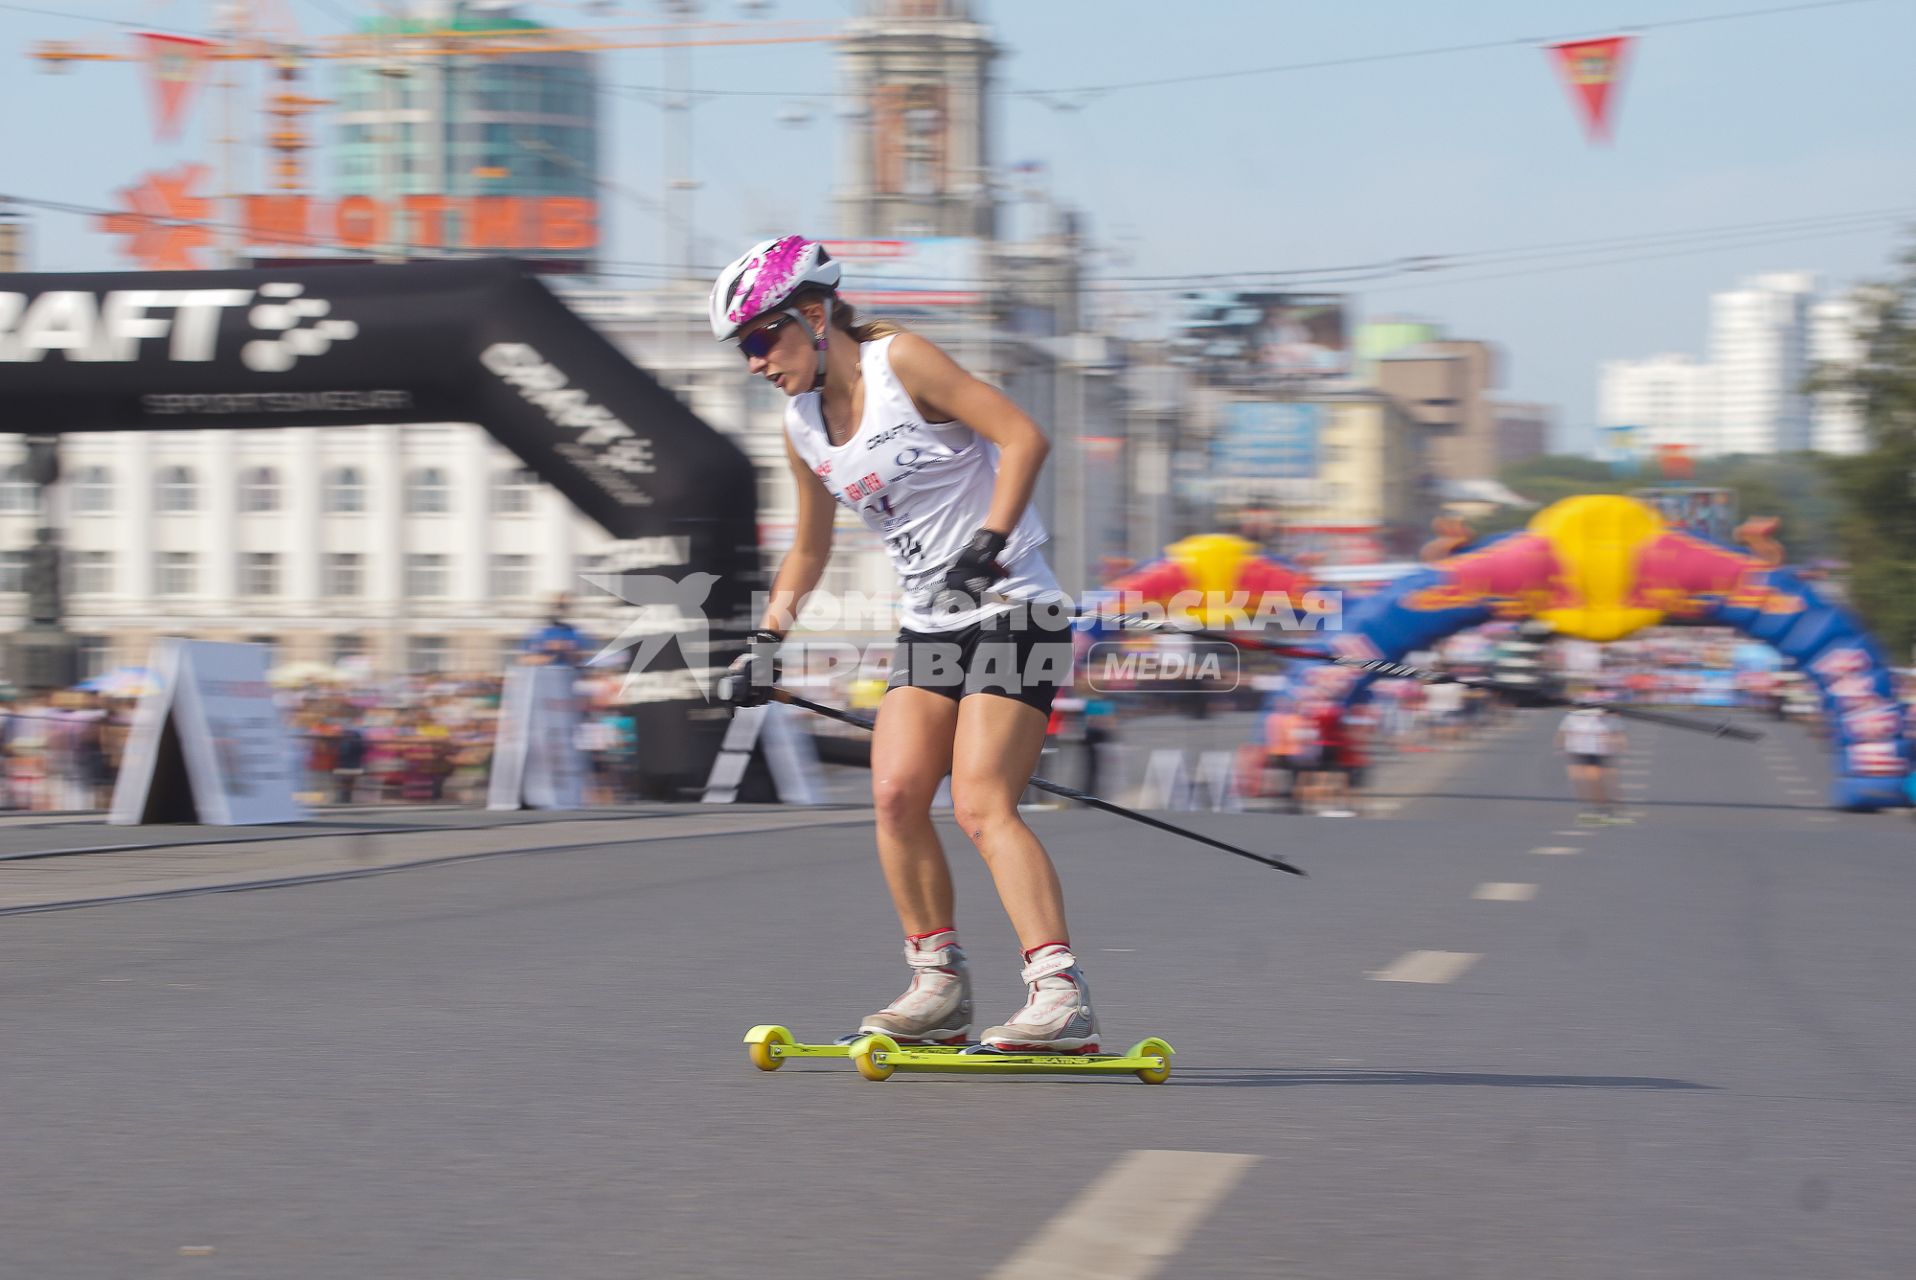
(1057, 789)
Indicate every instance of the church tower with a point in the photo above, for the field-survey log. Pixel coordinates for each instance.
(917, 155)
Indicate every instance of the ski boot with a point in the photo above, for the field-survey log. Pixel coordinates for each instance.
(936, 1007)
(1057, 1016)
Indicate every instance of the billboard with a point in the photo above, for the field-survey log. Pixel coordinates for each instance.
(1268, 440)
(169, 223)
(1289, 334)
(936, 272)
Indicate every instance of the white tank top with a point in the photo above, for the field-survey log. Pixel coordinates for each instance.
(923, 487)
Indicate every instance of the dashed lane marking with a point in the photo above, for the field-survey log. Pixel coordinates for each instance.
(1556, 850)
(1504, 891)
(1427, 966)
(1132, 1220)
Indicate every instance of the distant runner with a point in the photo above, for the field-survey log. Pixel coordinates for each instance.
(1590, 737)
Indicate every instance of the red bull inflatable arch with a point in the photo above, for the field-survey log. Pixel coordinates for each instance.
(1215, 578)
(1600, 567)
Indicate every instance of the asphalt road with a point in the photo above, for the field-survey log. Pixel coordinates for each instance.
(1686, 1052)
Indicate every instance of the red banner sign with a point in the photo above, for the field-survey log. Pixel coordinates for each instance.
(169, 223)
(1592, 68)
(173, 65)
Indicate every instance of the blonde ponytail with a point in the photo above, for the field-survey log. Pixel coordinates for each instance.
(845, 316)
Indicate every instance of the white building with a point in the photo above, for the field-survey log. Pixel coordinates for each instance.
(423, 547)
(1668, 398)
(1836, 341)
(1759, 350)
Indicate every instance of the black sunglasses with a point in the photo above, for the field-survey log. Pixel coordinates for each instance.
(758, 344)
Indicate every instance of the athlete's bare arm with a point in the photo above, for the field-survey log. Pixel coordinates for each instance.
(944, 392)
(804, 564)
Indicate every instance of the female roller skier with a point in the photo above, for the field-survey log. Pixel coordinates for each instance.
(886, 423)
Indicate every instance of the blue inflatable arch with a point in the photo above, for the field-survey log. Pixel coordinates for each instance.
(1869, 746)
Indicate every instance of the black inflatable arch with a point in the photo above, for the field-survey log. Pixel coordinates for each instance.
(478, 341)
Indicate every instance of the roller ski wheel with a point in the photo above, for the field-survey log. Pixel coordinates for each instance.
(873, 1055)
(1152, 1048)
(763, 1044)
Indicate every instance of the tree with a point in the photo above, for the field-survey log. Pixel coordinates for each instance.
(1876, 490)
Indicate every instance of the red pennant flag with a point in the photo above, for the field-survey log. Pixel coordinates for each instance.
(1592, 68)
(173, 65)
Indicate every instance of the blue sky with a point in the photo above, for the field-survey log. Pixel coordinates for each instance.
(1755, 120)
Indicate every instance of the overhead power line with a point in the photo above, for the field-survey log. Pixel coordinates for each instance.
(1059, 96)
(129, 25)
(1319, 64)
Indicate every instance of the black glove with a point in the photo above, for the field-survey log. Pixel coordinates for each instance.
(972, 573)
(748, 681)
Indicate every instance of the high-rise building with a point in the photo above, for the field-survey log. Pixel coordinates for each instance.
(1836, 342)
(1668, 399)
(524, 126)
(1445, 387)
(917, 159)
(1767, 338)
(1523, 430)
(1759, 356)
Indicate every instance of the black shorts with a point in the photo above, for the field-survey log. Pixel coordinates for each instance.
(1595, 762)
(1023, 653)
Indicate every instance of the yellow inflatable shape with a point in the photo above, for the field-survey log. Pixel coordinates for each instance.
(1597, 537)
(1212, 561)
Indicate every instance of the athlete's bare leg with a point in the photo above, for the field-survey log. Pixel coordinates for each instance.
(997, 747)
(911, 754)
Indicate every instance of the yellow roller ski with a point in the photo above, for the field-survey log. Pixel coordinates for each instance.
(770, 1047)
(876, 1057)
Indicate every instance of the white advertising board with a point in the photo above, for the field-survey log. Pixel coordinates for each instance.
(771, 732)
(536, 760)
(208, 744)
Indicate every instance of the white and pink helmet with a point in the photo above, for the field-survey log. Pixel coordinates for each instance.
(765, 280)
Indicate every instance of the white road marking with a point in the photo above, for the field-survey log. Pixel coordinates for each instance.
(1132, 1220)
(1578, 833)
(1504, 891)
(1427, 966)
(1556, 849)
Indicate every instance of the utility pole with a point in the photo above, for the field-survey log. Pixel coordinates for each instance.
(677, 155)
(229, 23)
